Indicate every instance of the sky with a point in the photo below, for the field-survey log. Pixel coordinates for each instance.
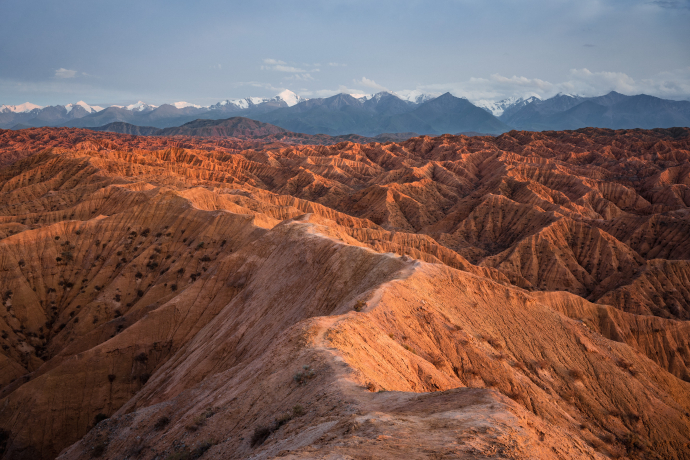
(118, 52)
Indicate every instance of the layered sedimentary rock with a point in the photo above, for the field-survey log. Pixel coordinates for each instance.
(524, 296)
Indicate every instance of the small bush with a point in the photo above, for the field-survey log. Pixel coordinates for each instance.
(200, 450)
(359, 305)
(99, 418)
(111, 378)
(99, 449)
(305, 375)
(260, 435)
(161, 423)
(298, 410)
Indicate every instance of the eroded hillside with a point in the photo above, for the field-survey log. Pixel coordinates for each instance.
(524, 296)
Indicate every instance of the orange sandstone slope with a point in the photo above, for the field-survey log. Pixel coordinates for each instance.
(525, 296)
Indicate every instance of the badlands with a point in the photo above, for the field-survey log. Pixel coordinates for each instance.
(525, 296)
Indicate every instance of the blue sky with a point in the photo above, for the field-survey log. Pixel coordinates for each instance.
(108, 52)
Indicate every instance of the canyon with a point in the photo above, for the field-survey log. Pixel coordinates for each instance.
(275, 295)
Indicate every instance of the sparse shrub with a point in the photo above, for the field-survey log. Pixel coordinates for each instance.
(4, 437)
(141, 357)
(99, 449)
(359, 305)
(161, 423)
(306, 374)
(200, 245)
(200, 450)
(111, 378)
(143, 378)
(576, 374)
(260, 435)
(21, 262)
(140, 293)
(410, 349)
(298, 410)
(138, 275)
(205, 259)
(99, 418)
(173, 287)
(180, 455)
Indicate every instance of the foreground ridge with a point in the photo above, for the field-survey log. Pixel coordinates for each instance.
(518, 296)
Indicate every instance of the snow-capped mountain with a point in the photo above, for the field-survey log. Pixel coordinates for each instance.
(497, 108)
(416, 96)
(288, 97)
(183, 105)
(21, 108)
(88, 108)
(140, 106)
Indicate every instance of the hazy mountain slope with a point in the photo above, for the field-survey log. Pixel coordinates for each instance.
(614, 110)
(446, 114)
(343, 113)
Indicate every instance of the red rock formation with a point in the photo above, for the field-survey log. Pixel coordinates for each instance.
(523, 296)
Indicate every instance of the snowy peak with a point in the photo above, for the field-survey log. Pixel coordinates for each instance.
(140, 106)
(183, 104)
(21, 108)
(289, 98)
(416, 96)
(498, 108)
(88, 108)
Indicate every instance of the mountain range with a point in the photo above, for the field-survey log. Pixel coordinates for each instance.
(370, 115)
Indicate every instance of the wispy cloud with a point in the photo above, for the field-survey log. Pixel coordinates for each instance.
(370, 84)
(673, 85)
(672, 4)
(65, 73)
(280, 66)
(301, 77)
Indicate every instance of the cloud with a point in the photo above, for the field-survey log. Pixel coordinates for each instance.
(370, 84)
(301, 77)
(280, 66)
(335, 64)
(65, 73)
(673, 4)
(584, 82)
